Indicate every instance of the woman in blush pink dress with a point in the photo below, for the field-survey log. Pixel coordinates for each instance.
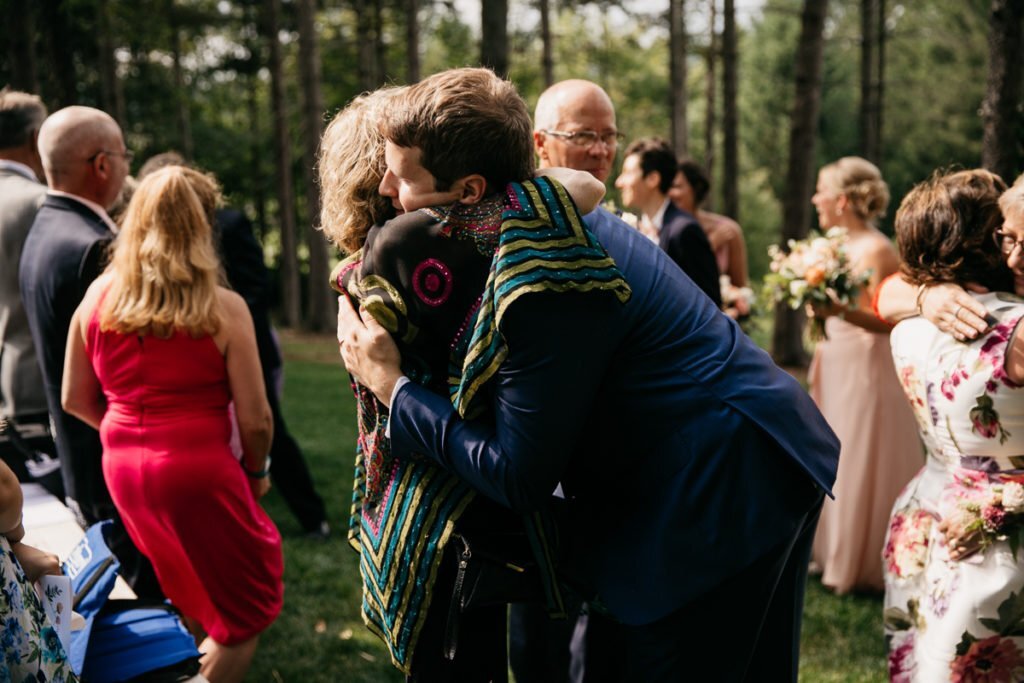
(854, 383)
(157, 350)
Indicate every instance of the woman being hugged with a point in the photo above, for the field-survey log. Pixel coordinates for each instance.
(855, 386)
(953, 573)
(157, 350)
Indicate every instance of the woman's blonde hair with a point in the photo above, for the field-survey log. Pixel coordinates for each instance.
(351, 167)
(1011, 202)
(861, 182)
(164, 266)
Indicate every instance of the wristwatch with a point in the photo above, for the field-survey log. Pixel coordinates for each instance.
(259, 474)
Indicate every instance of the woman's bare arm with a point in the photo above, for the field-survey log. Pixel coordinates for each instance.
(948, 306)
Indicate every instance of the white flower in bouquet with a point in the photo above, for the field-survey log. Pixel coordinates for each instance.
(739, 298)
(815, 270)
(1013, 497)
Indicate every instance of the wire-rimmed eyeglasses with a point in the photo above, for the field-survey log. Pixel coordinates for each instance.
(588, 138)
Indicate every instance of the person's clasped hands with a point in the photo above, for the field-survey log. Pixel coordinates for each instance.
(369, 352)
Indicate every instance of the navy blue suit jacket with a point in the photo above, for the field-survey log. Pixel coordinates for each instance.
(64, 252)
(685, 242)
(685, 453)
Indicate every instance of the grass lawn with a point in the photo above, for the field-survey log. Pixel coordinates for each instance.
(320, 635)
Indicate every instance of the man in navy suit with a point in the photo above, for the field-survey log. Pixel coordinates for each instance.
(694, 468)
(86, 162)
(648, 170)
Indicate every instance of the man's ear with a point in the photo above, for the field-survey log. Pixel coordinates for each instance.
(471, 189)
(538, 144)
(653, 180)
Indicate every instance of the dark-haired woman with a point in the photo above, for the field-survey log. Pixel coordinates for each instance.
(951, 567)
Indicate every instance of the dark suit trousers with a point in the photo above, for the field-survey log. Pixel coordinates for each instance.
(290, 473)
(722, 636)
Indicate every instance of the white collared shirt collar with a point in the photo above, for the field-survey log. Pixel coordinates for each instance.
(658, 219)
(19, 168)
(96, 208)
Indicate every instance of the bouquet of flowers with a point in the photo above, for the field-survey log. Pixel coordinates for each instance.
(815, 270)
(977, 512)
(737, 299)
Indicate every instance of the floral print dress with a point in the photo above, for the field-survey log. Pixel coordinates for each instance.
(29, 647)
(954, 565)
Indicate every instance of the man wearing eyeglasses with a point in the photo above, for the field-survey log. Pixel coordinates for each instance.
(574, 127)
(86, 162)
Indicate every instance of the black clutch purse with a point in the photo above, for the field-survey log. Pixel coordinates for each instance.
(498, 565)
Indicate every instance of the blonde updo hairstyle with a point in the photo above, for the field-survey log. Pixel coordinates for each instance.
(164, 267)
(861, 182)
(351, 166)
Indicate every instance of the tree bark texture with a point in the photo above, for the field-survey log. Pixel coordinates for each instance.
(367, 58)
(712, 100)
(60, 63)
(180, 95)
(787, 340)
(111, 94)
(677, 75)
(870, 77)
(730, 114)
(547, 47)
(320, 315)
(494, 36)
(412, 41)
(21, 54)
(1001, 150)
(289, 266)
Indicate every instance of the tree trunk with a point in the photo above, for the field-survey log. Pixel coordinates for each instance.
(319, 314)
(730, 115)
(111, 95)
(289, 270)
(787, 342)
(367, 61)
(412, 41)
(1001, 145)
(677, 74)
(21, 54)
(712, 85)
(547, 60)
(880, 83)
(380, 50)
(870, 15)
(180, 95)
(60, 63)
(494, 36)
(254, 42)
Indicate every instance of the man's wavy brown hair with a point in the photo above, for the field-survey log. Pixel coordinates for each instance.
(945, 230)
(465, 121)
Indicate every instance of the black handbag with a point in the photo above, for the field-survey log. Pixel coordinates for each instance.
(498, 566)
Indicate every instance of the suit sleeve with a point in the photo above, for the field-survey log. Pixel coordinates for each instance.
(94, 260)
(690, 249)
(542, 397)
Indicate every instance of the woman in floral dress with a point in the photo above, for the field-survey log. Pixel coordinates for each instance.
(954, 604)
(29, 647)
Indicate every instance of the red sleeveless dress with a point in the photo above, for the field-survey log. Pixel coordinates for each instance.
(184, 498)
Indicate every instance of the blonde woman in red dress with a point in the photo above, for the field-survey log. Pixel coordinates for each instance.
(157, 350)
